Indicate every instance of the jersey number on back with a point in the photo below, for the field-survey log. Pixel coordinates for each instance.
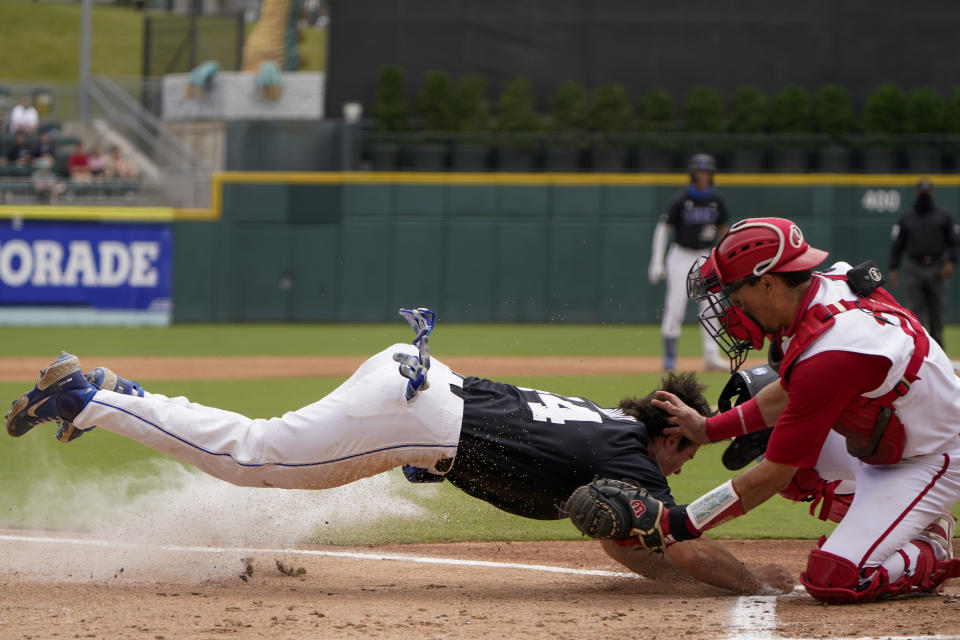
(560, 410)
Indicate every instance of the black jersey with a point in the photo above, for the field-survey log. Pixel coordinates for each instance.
(525, 451)
(695, 216)
(926, 237)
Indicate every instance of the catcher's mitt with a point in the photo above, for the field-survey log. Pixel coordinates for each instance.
(617, 509)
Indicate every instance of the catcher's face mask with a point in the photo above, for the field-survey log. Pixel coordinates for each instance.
(752, 248)
(733, 331)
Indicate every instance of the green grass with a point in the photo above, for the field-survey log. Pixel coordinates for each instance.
(354, 340)
(51, 35)
(105, 459)
(340, 339)
(313, 49)
(44, 39)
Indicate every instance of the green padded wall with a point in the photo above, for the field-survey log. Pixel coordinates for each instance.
(540, 249)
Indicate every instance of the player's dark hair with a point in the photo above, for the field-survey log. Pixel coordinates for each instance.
(683, 385)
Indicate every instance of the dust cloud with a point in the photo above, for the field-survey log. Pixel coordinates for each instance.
(134, 526)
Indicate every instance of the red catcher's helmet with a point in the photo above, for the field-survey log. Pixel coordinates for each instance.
(752, 247)
(756, 246)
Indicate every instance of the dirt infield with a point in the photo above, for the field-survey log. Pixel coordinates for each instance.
(162, 368)
(71, 586)
(464, 590)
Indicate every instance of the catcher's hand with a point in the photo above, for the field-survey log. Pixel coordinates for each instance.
(617, 509)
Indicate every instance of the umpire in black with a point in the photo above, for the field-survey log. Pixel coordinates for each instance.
(928, 241)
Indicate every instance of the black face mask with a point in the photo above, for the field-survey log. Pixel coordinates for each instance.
(924, 202)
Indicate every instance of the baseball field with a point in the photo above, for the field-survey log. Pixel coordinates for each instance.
(105, 538)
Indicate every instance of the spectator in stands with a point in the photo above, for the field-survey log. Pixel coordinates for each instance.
(24, 117)
(97, 164)
(20, 153)
(45, 147)
(119, 168)
(77, 165)
(44, 182)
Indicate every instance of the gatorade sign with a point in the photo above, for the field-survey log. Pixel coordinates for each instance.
(98, 265)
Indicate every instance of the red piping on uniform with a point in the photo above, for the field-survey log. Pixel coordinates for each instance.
(906, 560)
(905, 511)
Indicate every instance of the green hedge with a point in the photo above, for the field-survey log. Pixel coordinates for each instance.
(443, 103)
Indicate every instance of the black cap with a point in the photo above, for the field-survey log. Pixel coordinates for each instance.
(702, 162)
(924, 184)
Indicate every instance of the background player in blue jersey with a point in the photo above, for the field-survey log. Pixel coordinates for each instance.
(698, 219)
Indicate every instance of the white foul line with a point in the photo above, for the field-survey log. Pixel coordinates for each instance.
(398, 557)
(753, 617)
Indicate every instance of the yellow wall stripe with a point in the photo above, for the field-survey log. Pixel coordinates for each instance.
(60, 212)
(169, 214)
(580, 179)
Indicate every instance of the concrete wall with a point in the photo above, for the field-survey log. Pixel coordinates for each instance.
(206, 138)
(234, 96)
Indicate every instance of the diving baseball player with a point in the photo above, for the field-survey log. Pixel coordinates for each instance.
(697, 217)
(521, 450)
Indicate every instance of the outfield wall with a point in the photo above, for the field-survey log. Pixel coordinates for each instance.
(486, 247)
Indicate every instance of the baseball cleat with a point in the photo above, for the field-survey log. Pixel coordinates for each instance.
(101, 378)
(61, 393)
(415, 368)
(940, 533)
(104, 378)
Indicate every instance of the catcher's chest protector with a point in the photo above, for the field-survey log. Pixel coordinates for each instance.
(873, 431)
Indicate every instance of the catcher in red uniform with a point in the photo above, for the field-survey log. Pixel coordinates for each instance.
(864, 395)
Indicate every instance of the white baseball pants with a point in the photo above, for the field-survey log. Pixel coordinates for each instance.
(891, 505)
(678, 262)
(362, 428)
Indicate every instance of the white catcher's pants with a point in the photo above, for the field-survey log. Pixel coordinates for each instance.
(364, 427)
(892, 503)
(677, 264)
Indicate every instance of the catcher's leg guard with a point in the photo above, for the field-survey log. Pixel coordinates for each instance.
(928, 575)
(939, 534)
(830, 578)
